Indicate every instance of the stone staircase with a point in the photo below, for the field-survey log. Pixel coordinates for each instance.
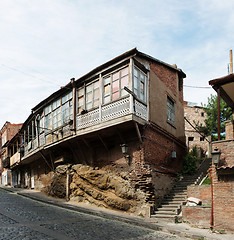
(171, 205)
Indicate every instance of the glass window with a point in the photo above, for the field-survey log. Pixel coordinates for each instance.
(65, 112)
(114, 85)
(139, 86)
(91, 98)
(170, 110)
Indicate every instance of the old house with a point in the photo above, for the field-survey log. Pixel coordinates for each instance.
(126, 115)
(194, 118)
(6, 134)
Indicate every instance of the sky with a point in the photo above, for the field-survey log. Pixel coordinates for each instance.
(43, 44)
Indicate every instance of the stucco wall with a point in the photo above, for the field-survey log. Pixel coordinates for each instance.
(164, 83)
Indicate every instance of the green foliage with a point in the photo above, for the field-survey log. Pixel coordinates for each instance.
(212, 116)
(189, 164)
(207, 181)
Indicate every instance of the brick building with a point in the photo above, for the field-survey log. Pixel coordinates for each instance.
(6, 134)
(222, 173)
(134, 101)
(195, 116)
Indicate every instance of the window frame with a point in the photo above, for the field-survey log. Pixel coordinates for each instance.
(119, 89)
(170, 110)
(139, 81)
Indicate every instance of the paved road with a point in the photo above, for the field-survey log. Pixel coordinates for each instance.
(22, 218)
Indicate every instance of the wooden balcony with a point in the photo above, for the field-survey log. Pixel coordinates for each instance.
(15, 159)
(110, 114)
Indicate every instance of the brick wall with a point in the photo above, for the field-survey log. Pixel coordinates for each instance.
(197, 216)
(158, 147)
(223, 201)
(227, 151)
(166, 75)
(202, 192)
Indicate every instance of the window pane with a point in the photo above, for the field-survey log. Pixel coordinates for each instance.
(124, 71)
(81, 92)
(107, 99)
(115, 76)
(115, 86)
(80, 101)
(64, 99)
(106, 80)
(135, 82)
(70, 95)
(136, 72)
(89, 88)
(96, 94)
(89, 97)
(142, 77)
(96, 85)
(115, 95)
(124, 82)
(89, 105)
(96, 103)
(107, 89)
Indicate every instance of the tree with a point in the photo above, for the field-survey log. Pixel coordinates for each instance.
(211, 121)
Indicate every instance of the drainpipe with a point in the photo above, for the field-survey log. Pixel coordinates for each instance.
(74, 103)
(212, 200)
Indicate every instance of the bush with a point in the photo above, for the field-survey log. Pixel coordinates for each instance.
(189, 163)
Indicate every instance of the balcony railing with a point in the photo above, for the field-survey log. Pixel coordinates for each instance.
(15, 158)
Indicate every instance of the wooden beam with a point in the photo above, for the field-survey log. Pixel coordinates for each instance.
(101, 139)
(43, 156)
(138, 132)
(120, 135)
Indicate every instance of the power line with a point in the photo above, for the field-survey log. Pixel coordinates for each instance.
(196, 87)
(31, 75)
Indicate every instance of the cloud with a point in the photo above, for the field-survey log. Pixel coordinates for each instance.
(45, 43)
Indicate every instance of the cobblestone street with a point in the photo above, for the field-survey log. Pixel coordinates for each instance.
(22, 218)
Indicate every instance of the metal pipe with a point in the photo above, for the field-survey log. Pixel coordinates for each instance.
(74, 103)
(218, 108)
(212, 201)
(231, 64)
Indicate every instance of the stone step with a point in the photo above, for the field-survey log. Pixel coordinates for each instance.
(165, 217)
(165, 213)
(176, 197)
(169, 209)
(169, 206)
(172, 202)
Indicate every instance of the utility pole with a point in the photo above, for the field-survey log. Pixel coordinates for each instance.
(231, 63)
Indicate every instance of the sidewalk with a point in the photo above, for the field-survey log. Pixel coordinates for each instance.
(180, 229)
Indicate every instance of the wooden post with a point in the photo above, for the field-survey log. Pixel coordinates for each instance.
(68, 185)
